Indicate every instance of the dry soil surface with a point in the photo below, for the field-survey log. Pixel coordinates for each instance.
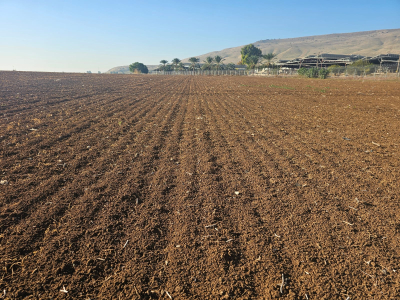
(179, 187)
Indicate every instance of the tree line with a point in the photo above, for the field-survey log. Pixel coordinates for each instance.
(210, 63)
(251, 56)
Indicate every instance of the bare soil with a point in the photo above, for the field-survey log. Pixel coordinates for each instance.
(179, 187)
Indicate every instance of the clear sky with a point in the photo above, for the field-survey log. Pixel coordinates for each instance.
(96, 35)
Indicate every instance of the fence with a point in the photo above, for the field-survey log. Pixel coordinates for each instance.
(205, 72)
(370, 71)
(243, 72)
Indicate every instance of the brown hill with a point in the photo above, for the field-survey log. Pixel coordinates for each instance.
(367, 43)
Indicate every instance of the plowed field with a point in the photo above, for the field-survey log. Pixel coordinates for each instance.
(179, 187)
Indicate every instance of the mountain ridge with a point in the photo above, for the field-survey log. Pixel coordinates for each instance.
(366, 43)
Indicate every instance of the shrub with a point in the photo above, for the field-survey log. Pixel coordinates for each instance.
(313, 72)
(361, 66)
(138, 67)
(302, 72)
(323, 73)
(230, 66)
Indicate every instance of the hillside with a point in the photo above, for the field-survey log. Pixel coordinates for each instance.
(367, 43)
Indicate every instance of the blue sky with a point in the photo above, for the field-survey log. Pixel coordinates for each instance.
(96, 35)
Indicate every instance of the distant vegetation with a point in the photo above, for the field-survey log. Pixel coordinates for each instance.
(248, 54)
(359, 67)
(363, 66)
(210, 63)
(138, 67)
(194, 63)
(313, 72)
(252, 57)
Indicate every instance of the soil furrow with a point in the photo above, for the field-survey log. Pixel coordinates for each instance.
(198, 187)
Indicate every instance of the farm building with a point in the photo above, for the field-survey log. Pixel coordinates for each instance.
(320, 60)
(389, 61)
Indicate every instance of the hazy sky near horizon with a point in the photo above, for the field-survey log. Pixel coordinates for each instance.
(96, 35)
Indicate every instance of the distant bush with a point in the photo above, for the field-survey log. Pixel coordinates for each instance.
(323, 73)
(361, 63)
(138, 67)
(361, 66)
(303, 72)
(334, 67)
(313, 72)
(230, 66)
(206, 67)
(166, 68)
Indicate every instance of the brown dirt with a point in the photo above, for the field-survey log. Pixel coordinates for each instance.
(145, 187)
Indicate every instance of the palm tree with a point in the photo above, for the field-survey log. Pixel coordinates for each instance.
(176, 62)
(207, 63)
(218, 59)
(194, 61)
(181, 66)
(269, 57)
(164, 62)
(209, 60)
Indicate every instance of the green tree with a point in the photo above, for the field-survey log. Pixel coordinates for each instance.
(313, 72)
(176, 62)
(208, 63)
(181, 66)
(164, 62)
(209, 60)
(218, 59)
(138, 67)
(268, 57)
(249, 50)
(166, 68)
(194, 61)
(230, 66)
(361, 63)
(361, 66)
(252, 61)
